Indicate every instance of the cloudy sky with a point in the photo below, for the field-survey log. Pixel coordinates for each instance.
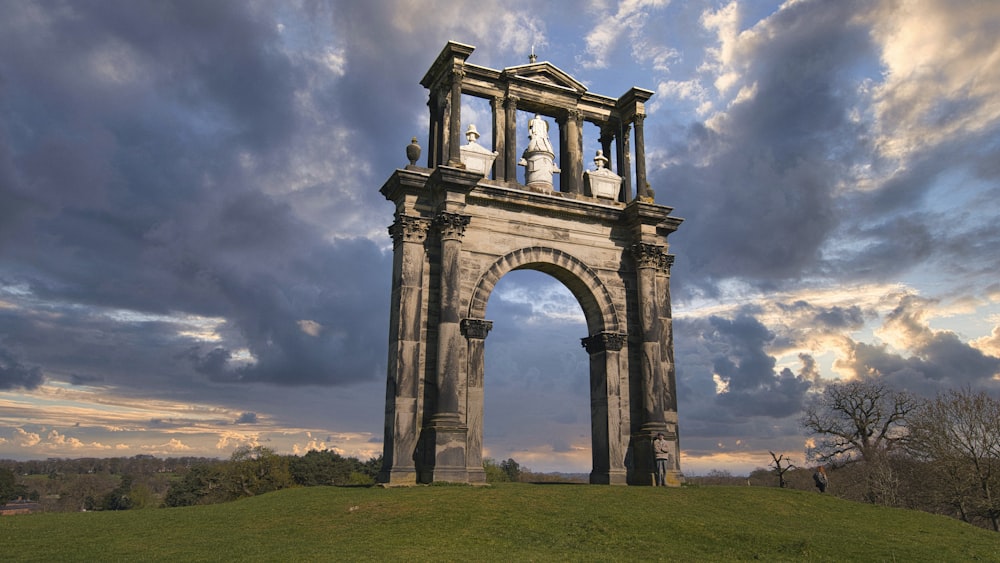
(194, 255)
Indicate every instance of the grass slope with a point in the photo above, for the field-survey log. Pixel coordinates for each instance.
(508, 522)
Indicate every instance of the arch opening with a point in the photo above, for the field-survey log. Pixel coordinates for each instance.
(537, 382)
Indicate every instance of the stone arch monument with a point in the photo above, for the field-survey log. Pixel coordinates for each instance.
(464, 221)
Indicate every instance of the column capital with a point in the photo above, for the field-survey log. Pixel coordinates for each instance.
(409, 229)
(476, 328)
(451, 225)
(603, 342)
(574, 114)
(510, 101)
(651, 256)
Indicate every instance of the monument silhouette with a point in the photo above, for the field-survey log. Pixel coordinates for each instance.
(464, 221)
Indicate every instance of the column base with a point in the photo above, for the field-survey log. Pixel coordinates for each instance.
(397, 477)
(449, 453)
(608, 478)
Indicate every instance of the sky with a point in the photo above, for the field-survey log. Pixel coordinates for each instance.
(194, 253)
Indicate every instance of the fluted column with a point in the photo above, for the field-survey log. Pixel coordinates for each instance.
(475, 331)
(402, 414)
(608, 407)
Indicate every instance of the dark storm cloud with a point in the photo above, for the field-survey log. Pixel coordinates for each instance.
(14, 374)
(129, 140)
(247, 418)
(939, 360)
(775, 158)
(754, 388)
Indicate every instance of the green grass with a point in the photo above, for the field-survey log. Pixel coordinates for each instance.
(506, 522)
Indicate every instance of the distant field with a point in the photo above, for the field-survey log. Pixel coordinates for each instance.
(505, 522)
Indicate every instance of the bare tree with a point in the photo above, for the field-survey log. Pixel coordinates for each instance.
(781, 466)
(958, 436)
(858, 419)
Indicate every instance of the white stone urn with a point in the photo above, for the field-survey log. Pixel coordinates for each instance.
(602, 182)
(474, 156)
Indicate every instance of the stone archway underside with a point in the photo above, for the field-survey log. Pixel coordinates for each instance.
(595, 300)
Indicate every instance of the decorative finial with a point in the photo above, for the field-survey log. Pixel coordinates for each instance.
(532, 58)
(413, 152)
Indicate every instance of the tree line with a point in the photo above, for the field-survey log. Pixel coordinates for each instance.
(146, 481)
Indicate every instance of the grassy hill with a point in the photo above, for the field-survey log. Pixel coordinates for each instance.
(506, 522)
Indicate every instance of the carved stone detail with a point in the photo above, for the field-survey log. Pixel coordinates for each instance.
(603, 342)
(451, 225)
(476, 328)
(649, 255)
(409, 229)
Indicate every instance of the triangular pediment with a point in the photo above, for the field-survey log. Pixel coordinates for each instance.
(545, 73)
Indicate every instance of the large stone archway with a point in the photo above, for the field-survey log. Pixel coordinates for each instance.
(457, 232)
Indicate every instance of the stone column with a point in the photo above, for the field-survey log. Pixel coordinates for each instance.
(447, 431)
(499, 137)
(455, 119)
(475, 331)
(649, 260)
(668, 401)
(510, 140)
(402, 414)
(436, 103)
(608, 405)
(641, 185)
(625, 162)
(571, 152)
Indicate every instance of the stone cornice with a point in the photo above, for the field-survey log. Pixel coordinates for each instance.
(550, 204)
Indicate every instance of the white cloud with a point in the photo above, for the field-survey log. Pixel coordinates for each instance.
(26, 439)
(942, 72)
(628, 19)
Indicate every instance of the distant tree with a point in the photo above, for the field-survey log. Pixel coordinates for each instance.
(325, 467)
(958, 436)
(8, 485)
(372, 467)
(256, 470)
(512, 469)
(781, 465)
(120, 498)
(494, 474)
(859, 419)
(202, 484)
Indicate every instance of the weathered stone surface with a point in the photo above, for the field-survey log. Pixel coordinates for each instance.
(457, 233)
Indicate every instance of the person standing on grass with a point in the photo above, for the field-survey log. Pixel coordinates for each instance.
(661, 450)
(821, 479)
